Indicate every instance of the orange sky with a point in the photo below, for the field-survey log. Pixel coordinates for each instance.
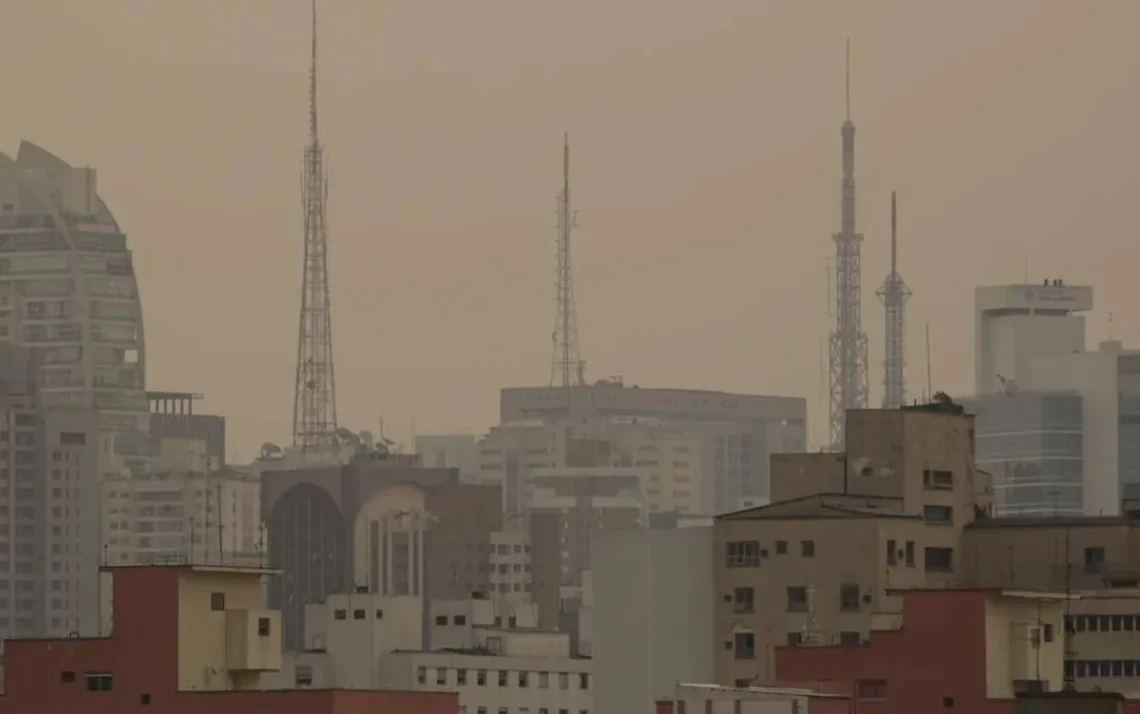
(706, 170)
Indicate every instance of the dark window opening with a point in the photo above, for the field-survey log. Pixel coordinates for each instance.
(797, 599)
(892, 554)
(144, 698)
(217, 601)
(850, 639)
(1094, 560)
(441, 619)
(98, 682)
(67, 677)
(938, 514)
(807, 548)
(872, 689)
(744, 599)
(359, 614)
(743, 554)
(781, 547)
(939, 560)
(744, 644)
(340, 614)
(263, 627)
(849, 597)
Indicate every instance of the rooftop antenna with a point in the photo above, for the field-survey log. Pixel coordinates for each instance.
(848, 354)
(929, 391)
(894, 293)
(314, 395)
(567, 368)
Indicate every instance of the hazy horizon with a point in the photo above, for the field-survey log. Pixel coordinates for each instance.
(705, 142)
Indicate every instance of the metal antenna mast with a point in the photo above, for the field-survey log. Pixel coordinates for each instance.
(314, 398)
(848, 341)
(894, 294)
(567, 368)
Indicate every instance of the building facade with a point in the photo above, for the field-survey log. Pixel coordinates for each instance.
(386, 526)
(68, 289)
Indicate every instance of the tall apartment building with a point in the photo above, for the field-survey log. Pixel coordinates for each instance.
(49, 509)
(185, 515)
(735, 433)
(68, 289)
(382, 524)
(818, 564)
(172, 417)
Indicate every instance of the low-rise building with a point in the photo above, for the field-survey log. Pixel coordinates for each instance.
(188, 639)
(507, 671)
(453, 623)
(714, 699)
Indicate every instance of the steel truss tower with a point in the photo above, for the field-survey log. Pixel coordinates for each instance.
(314, 398)
(848, 358)
(894, 293)
(566, 367)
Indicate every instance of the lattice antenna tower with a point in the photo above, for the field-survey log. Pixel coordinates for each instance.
(848, 353)
(894, 294)
(314, 397)
(567, 369)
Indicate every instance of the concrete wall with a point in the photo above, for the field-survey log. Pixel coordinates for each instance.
(647, 587)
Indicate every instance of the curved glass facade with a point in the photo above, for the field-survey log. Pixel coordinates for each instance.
(68, 290)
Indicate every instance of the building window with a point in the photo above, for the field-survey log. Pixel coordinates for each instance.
(872, 689)
(303, 675)
(460, 620)
(1047, 632)
(1094, 560)
(461, 677)
(583, 681)
(781, 547)
(217, 601)
(340, 614)
(850, 639)
(67, 677)
(379, 614)
(481, 677)
(421, 675)
(522, 680)
(98, 681)
(797, 599)
(358, 614)
(440, 620)
(743, 554)
(743, 599)
(938, 480)
(543, 680)
(795, 639)
(892, 553)
(849, 597)
(441, 676)
(939, 559)
(807, 548)
(744, 644)
(503, 677)
(910, 554)
(938, 514)
(563, 680)
(263, 626)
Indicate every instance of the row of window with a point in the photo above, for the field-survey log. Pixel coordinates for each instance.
(1102, 668)
(743, 644)
(522, 679)
(1102, 623)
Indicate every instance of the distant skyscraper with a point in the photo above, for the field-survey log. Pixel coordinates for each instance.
(314, 398)
(68, 290)
(848, 359)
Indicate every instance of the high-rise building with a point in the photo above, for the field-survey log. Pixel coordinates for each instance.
(67, 288)
(172, 416)
(734, 433)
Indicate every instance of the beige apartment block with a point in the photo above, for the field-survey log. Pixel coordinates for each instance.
(815, 566)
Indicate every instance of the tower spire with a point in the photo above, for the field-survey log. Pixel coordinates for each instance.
(567, 368)
(894, 293)
(314, 394)
(848, 354)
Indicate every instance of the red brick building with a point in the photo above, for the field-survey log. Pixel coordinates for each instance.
(976, 651)
(184, 640)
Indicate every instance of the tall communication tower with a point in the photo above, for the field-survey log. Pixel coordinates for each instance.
(566, 368)
(314, 398)
(848, 341)
(894, 294)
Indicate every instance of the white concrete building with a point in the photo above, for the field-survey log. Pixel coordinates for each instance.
(453, 623)
(198, 517)
(513, 672)
(1016, 324)
(647, 587)
(714, 699)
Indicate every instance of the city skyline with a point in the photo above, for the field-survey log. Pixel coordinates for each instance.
(719, 233)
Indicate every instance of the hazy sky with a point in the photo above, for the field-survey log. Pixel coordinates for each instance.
(706, 172)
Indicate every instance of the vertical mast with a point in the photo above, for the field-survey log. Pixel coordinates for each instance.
(314, 396)
(894, 293)
(848, 354)
(567, 368)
